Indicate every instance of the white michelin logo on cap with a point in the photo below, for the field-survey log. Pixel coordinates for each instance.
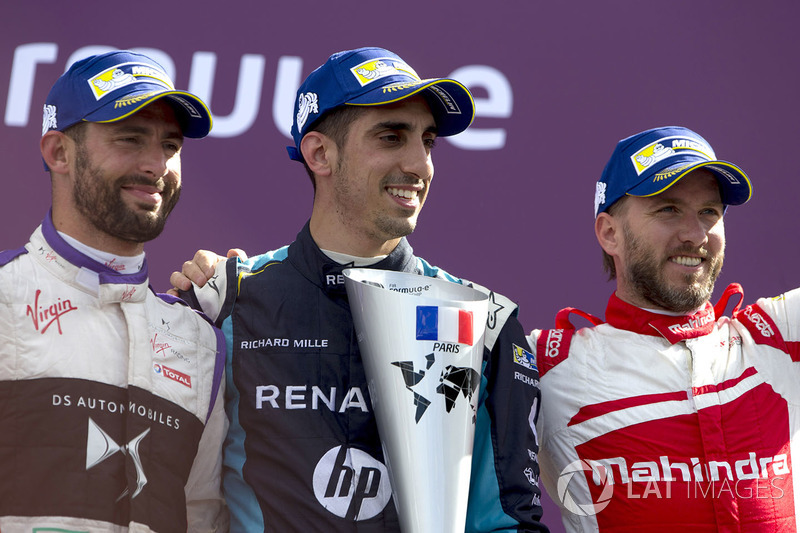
(375, 69)
(115, 77)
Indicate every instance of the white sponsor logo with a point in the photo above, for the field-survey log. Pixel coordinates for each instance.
(599, 195)
(49, 121)
(351, 484)
(307, 103)
(305, 397)
(553, 345)
(759, 322)
(692, 323)
(752, 467)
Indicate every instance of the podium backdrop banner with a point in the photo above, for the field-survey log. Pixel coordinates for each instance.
(421, 341)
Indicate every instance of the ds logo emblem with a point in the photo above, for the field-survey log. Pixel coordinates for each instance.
(351, 484)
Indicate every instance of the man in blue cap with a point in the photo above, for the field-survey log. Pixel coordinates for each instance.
(671, 416)
(111, 399)
(303, 452)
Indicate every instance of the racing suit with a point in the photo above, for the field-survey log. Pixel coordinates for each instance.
(111, 400)
(674, 423)
(303, 452)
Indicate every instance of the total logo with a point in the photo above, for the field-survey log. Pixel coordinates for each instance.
(351, 484)
(174, 375)
(566, 497)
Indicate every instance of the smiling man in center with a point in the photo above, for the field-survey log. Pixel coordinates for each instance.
(303, 452)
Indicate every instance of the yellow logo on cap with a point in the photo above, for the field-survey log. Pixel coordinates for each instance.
(124, 74)
(131, 100)
(668, 147)
(375, 69)
(669, 173)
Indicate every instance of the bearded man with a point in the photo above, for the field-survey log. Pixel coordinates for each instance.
(111, 397)
(670, 416)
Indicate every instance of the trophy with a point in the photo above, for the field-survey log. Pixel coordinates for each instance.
(421, 342)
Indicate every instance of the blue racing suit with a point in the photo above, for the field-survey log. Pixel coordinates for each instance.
(303, 452)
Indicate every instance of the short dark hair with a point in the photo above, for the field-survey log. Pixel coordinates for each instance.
(608, 261)
(336, 125)
(76, 132)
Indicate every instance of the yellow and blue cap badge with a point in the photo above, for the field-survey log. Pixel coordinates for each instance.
(111, 86)
(374, 76)
(650, 162)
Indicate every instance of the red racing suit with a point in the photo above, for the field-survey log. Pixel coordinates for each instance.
(673, 423)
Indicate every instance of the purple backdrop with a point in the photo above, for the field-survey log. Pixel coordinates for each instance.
(557, 85)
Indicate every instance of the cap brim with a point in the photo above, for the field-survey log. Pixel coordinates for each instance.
(451, 102)
(194, 116)
(735, 186)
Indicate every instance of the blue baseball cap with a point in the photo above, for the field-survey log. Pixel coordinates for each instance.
(374, 76)
(112, 86)
(652, 161)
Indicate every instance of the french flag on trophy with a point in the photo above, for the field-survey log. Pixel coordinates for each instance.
(444, 324)
(428, 458)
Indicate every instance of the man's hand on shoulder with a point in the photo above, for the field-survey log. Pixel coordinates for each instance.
(199, 270)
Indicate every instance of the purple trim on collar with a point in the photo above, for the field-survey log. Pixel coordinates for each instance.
(106, 275)
(6, 256)
(170, 299)
(219, 367)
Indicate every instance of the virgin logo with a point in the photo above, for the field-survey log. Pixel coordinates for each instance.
(159, 347)
(128, 294)
(43, 317)
(113, 265)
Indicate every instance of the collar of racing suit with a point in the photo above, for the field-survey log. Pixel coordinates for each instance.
(674, 329)
(326, 273)
(81, 270)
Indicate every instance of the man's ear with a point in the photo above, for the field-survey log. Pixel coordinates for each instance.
(53, 146)
(608, 231)
(319, 152)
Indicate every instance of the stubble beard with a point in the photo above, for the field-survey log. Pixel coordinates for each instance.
(382, 225)
(100, 202)
(646, 276)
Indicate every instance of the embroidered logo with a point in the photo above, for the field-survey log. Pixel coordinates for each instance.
(49, 121)
(128, 293)
(307, 103)
(113, 265)
(759, 322)
(599, 196)
(43, 317)
(159, 347)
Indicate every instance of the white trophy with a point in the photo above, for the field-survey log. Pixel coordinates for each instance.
(421, 341)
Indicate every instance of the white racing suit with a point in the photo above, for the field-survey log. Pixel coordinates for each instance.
(661, 423)
(111, 406)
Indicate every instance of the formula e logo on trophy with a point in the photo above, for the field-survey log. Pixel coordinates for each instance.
(600, 475)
